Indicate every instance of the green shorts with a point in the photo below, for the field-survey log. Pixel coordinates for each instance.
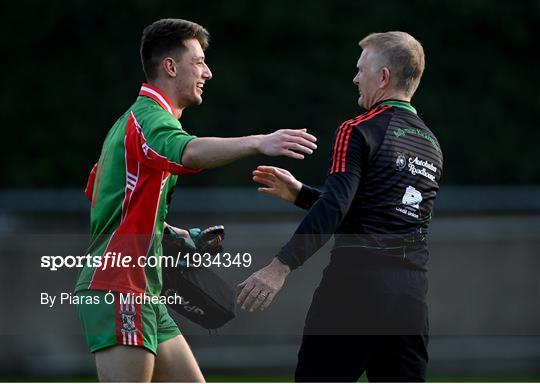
(107, 322)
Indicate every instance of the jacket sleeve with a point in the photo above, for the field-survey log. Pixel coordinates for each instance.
(329, 209)
(307, 196)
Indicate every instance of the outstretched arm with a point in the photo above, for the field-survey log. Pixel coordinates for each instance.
(281, 183)
(321, 222)
(258, 290)
(212, 152)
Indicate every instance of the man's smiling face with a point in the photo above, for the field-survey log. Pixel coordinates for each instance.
(192, 74)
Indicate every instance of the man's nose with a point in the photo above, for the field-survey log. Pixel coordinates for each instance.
(207, 74)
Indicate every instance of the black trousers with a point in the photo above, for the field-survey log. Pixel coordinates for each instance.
(369, 314)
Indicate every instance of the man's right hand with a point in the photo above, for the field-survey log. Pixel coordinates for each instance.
(293, 143)
(277, 182)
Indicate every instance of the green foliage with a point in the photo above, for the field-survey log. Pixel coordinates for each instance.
(71, 68)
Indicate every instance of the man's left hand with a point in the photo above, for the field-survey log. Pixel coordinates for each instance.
(261, 287)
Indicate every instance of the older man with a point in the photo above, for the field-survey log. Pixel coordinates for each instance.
(369, 312)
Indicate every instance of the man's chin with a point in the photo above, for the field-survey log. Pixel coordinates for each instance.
(195, 101)
(363, 104)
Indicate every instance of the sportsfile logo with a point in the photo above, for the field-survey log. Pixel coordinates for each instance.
(119, 260)
(108, 260)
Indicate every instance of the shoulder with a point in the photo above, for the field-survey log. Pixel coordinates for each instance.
(409, 125)
(370, 126)
(150, 115)
(375, 117)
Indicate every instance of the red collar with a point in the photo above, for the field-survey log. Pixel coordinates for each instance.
(158, 96)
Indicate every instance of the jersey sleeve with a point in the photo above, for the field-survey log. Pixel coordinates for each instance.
(168, 139)
(159, 143)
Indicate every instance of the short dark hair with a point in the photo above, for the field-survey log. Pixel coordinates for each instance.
(165, 36)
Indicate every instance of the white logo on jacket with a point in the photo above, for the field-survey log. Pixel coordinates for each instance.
(412, 197)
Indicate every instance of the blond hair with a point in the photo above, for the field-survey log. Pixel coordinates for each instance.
(402, 54)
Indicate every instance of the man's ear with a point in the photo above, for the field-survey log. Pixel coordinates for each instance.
(169, 66)
(385, 77)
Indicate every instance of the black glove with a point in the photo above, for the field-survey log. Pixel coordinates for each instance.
(200, 241)
(208, 240)
(207, 299)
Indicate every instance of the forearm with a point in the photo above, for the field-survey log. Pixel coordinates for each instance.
(212, 152)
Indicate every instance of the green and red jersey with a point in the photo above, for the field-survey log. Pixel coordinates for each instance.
(128, 187)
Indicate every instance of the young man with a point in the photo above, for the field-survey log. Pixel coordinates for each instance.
(369, 312)
(143, 154)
